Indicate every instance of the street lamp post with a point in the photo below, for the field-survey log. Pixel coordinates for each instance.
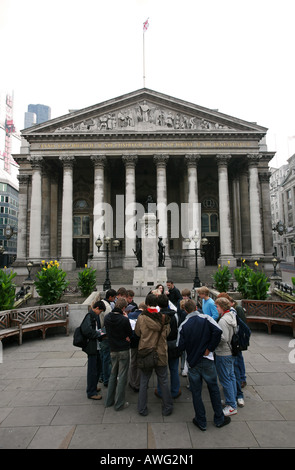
(107, 241)
(204, 241)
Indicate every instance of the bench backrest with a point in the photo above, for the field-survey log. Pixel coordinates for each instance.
(268, 308)
(5, 319)
(37, 314)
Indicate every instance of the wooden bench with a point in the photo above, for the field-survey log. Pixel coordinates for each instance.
(19, 321)
(270, 313)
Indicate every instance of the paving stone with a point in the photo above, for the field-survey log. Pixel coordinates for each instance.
(78, 414)
(234, 435)
(276, 392)
(30, 416)
(286, 408)
(50, 437)
(27, 398)
(267, 378)
(276, 434)
(166, 436)
(16, 437)
(106, 436)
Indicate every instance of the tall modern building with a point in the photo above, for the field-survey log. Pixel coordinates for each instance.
(36, 114)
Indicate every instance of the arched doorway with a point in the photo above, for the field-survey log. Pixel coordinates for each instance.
(81, 232)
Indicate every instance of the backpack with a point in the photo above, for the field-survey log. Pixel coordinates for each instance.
(79, 340)
(241, 337)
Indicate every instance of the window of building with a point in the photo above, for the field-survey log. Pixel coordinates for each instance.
(81, 226)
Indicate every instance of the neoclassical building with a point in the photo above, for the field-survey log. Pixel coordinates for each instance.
(88, 174)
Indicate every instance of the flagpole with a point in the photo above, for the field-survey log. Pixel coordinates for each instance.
(145, 27)
(143, 60)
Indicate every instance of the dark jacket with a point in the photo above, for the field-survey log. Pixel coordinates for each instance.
(134, 340)
(173, 351)
(197, 333)
(89, 329)
(118, 328)
(174, 295)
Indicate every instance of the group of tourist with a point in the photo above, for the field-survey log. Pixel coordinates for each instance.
(193, 338)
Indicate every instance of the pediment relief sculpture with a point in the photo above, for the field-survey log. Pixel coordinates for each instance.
(142, 117)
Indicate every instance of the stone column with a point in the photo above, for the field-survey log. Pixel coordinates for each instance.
(226, 253)
(245, 213)
(255, 216)
(267, 225)
(236, 217)
(99, 215)
(130, 201)
(193, 213)
(54, 216)
(46, 210)
(22, 217)
(36, 208)
(67, 260)
(161, 162)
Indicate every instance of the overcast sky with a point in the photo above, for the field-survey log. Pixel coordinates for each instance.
(232, 55)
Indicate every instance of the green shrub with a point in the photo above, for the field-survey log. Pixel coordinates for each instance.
(7, 289)
(293, 281)
(222, 279)
(50, 283)
(87, 280)
(253, 285)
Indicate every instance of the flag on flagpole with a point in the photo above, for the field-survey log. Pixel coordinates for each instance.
(145, 25)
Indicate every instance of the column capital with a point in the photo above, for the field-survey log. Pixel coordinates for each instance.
(129, 160)
(161, 160)
(264, 177)
(23, 179)
(67, 161)
(36, 161)
(222, 159)
(192, 159)
(253, 159)
(99, 161)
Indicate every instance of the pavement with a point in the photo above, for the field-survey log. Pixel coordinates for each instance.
(43, 403)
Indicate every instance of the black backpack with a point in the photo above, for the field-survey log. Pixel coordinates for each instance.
(241, 337)
(79, 340)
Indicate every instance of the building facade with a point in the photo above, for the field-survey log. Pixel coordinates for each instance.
(282, 193)
(90, 173)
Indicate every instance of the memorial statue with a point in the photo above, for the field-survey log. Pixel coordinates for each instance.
(147, 203)
(138, 252)
(161, 251)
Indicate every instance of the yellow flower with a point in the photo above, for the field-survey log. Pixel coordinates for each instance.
(256, 264)
(244, 260)
(43, 261)
(44, 269)
(5, 267)
(85, 265)
(228, 262)
(219, 265)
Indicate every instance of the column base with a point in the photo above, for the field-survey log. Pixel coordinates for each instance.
(129, 262)
(67, 264)
(227, 260)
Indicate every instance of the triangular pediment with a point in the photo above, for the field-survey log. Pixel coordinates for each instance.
(144, 111)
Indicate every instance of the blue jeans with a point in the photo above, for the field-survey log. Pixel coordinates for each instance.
(205, 370)
(105, 361)
(118, 379)
(226, 373)
(93, 373)
(174, 377)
